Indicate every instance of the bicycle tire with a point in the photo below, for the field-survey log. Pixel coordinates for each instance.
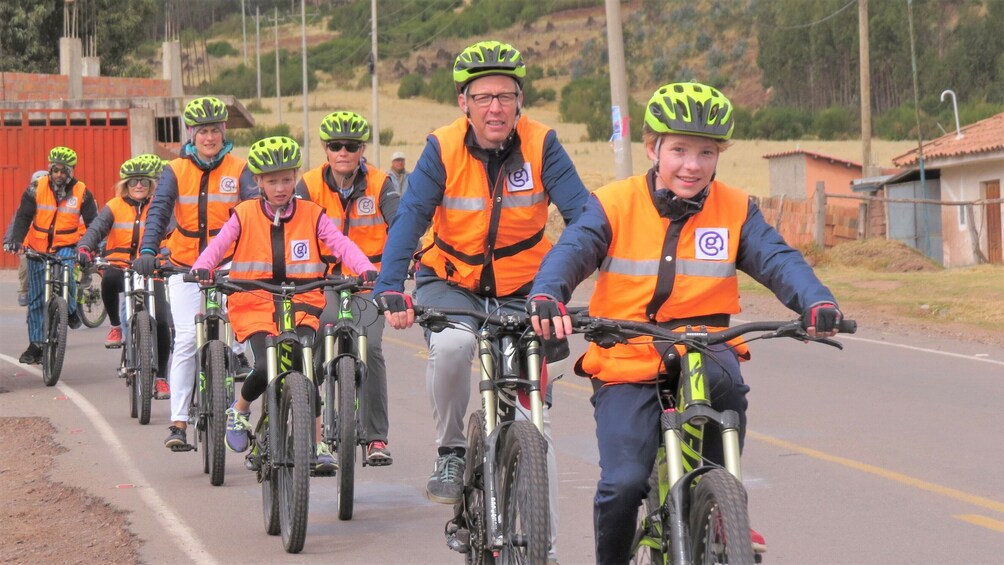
(144, 351)
(214, 450)
(55, 324)
(345, 374)
(523, 495)
(719, 522)
(473, 510)
(90, 307)
(267, 475)
(649, 532)
(295, 447)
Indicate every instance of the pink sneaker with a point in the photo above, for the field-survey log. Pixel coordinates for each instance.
(759, 544)
(114, 339)
(161, 389)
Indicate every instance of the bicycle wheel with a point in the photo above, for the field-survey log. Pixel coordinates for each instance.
(144, 349)
(345, 373)
(480, 552)
(214, 450)
(719, 523)
(90, 307)
(54, 350)
(294, 447)
(267, 476)
(522, 488)
(649, 539)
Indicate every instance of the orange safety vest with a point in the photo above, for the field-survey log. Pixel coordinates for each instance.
(705, 282)
(203, 206)
(362, 222)
(254, 258)
(56, 224)
(128, 222)
(460, 247)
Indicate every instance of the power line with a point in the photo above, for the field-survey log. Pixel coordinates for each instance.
(817, 22)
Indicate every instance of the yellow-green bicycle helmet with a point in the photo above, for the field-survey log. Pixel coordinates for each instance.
(345, 125)
(63, 156)
(277, 153)
(690, 108)
(487, 58)
(146, 165)
(205, 110)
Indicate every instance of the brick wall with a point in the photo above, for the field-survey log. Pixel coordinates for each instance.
(795, 220)
(27, 86)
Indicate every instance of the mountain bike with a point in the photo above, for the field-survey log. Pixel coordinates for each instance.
(215, 365)
(90, 307)
(696, 510)
(282, 449)
(504, 512)
(343, 409)
(55, 318)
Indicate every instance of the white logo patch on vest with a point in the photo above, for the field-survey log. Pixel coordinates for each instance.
(71, 202)
(228, 185)
(711, 243)
(366, 206)
(299, 250)
(520, 180)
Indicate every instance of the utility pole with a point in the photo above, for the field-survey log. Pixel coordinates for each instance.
(257, 48)
(618, 91)
(244, 27)
(870, 169)
(375, 117)
(303, 63)
(278, 81)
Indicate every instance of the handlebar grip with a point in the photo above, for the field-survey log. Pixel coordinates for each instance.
(848, 326)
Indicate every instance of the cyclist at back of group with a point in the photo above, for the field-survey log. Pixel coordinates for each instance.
(22, 265)
(196, 191)
(667, 245)
(120, 225)
(276, 238)
(51, 219)
(484, 182)
(362, 202)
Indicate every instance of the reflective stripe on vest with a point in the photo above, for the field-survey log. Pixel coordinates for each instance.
(122, 243)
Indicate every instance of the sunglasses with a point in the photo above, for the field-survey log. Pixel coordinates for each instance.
(351, 146)
(133, 183)
(59, 170)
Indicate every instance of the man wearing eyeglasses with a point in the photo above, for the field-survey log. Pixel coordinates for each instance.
(51, 219)
(484, 182)
(362, 202)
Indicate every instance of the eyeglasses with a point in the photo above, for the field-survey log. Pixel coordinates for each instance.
(485, 100)
(146, 183)
(351, 146)
(58, 170)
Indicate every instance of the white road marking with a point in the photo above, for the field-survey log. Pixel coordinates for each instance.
(185, 538)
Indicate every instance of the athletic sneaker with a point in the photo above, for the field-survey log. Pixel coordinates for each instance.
(759, 544)
(377, 454)
(32, 355)
(238, 429)
(325, 460)
(74, 321)
(22, 299)
(161, 390)
(446, 484)
(243, 367)
(176, 438)
(114, 339)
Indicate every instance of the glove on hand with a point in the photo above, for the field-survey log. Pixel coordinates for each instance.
(84, 256)
(393, 302)
(368, 276)
(545, 307)
(824, 317)
(203, 276)
(12, 247)
(145, 264)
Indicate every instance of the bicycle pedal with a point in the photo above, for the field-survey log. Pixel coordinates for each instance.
(458, 539)
(118, 346)
(182, 448)
(378, 462)
(323, 473)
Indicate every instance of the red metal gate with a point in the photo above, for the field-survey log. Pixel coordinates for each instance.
(100, 138)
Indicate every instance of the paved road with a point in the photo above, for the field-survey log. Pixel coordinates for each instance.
(886, 452)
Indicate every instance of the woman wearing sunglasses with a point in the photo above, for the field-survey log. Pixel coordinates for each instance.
(120, 224)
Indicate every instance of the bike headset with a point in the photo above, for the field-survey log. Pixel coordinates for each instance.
(686, 108)
(488, 58)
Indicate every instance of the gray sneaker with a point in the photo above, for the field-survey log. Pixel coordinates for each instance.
(446, 484)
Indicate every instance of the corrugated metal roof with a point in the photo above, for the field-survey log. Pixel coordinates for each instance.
(814, 155)
(984, 136)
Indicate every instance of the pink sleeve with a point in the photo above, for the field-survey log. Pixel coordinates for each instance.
(210, 258)
(342, 247)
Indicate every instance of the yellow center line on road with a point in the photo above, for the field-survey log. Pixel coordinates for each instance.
(982, 521)
(900, 478)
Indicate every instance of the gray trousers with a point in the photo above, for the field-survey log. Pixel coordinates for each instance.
(448, 377)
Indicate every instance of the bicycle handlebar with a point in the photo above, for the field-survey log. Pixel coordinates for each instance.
(607, 332)
(229, 286)
(436, 318)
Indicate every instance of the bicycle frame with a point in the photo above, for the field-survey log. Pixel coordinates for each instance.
(344, 339)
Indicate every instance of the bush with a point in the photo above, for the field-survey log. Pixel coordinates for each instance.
(411, 86)
(779, 123)
(221, 49)
(836, 122)
(244, 137)
(587, 100)
(386, 136)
